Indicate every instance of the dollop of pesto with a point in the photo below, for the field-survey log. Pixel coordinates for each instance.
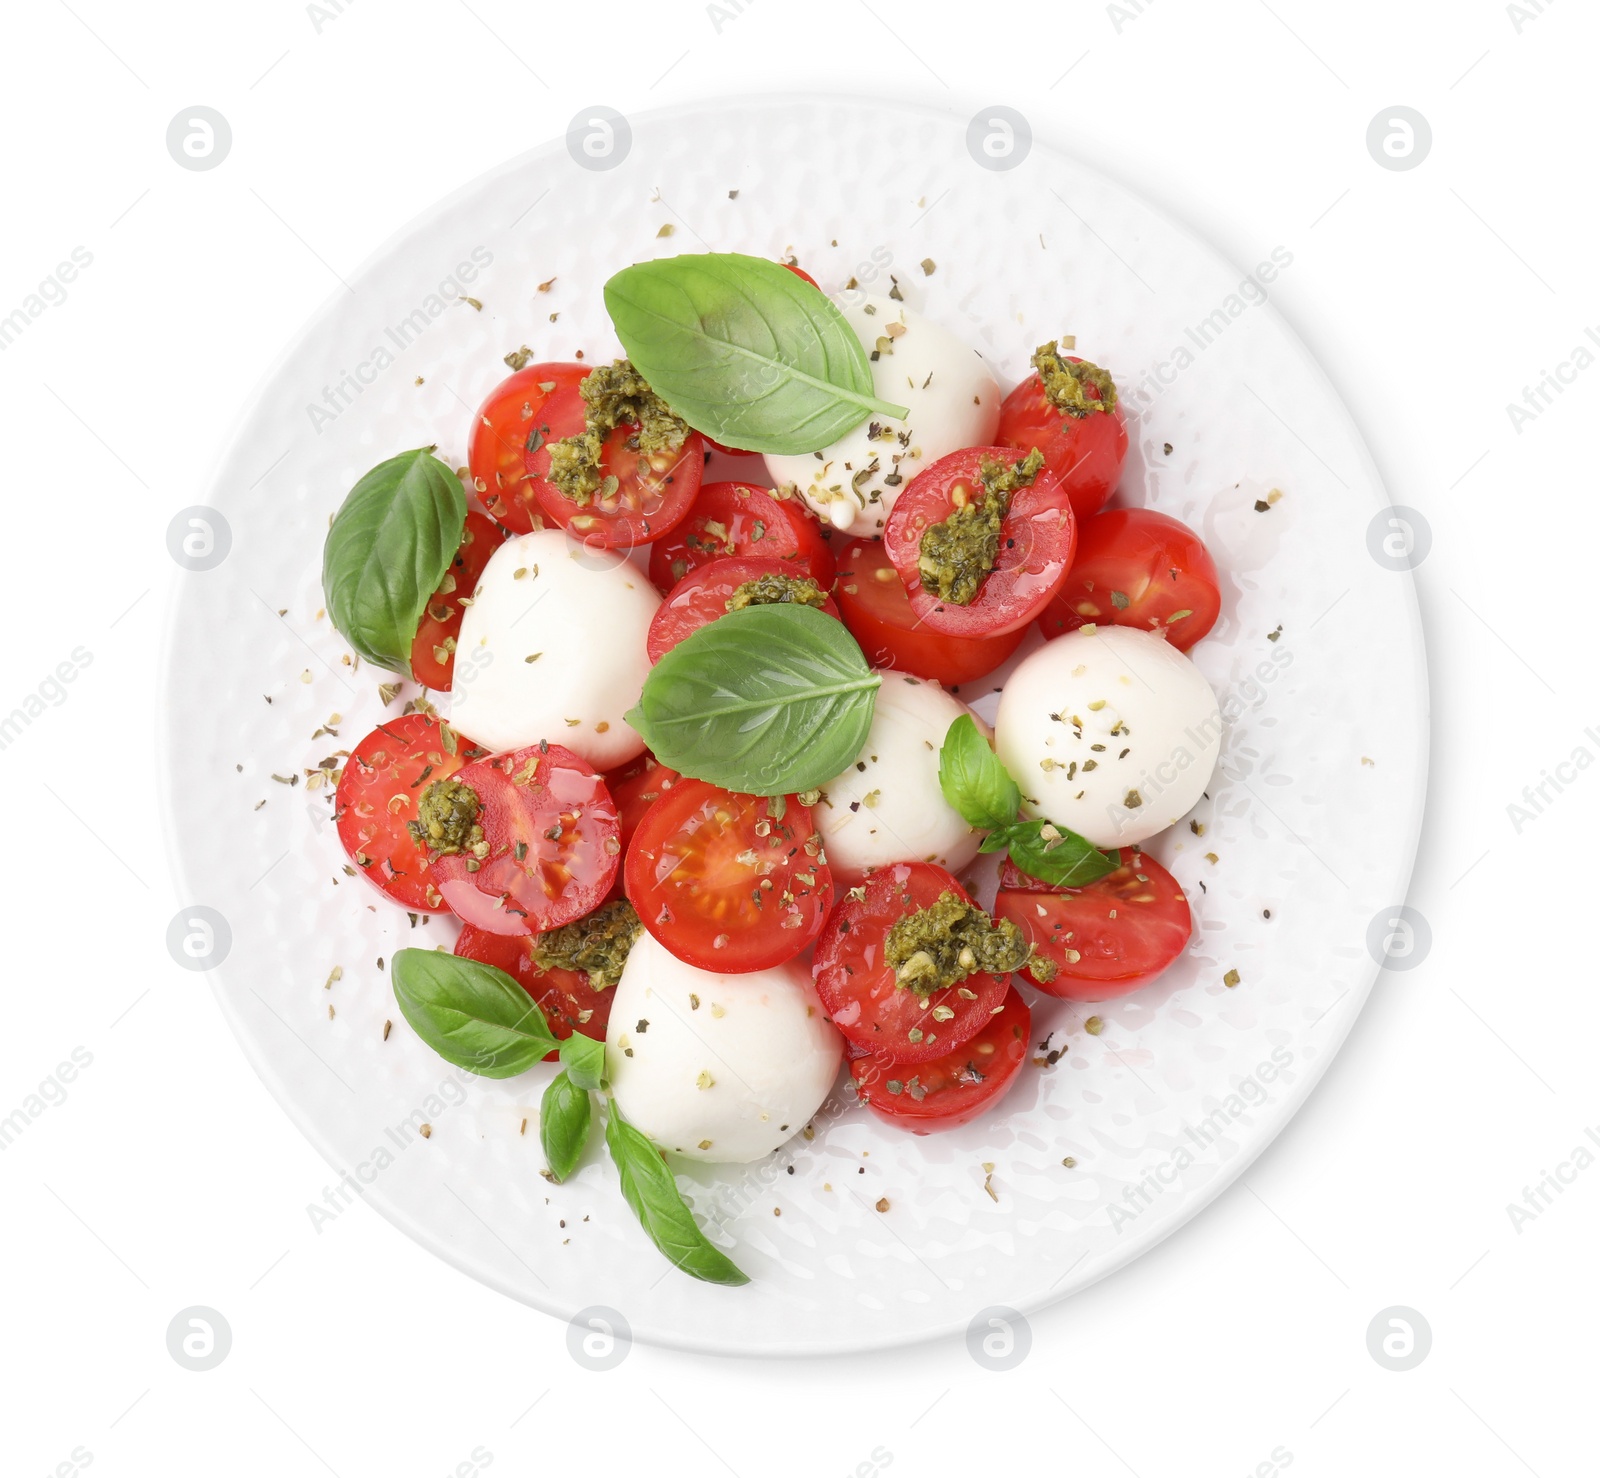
(778, 590)
(596, 944)
(447, 821)
(936, 947)
(613, 395)
(1064, 383)
(958, 553)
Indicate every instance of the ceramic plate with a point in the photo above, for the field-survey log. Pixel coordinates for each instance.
(1309, 828)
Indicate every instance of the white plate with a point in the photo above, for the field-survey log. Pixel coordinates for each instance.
(1313, 816)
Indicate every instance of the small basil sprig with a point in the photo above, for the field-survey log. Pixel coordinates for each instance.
(565, 1112)
(770, 700)
(745, 351)
(470, 1013)
(387, 551)
(980, 788)
(650, 1189)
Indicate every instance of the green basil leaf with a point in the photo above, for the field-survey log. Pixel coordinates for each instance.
(585, 1060)
(973, 780)
(745, 351)
(770, 700)
(649, 1188)
(470, 1014)
(1067, 860)
(391, 543)
(565, 1114)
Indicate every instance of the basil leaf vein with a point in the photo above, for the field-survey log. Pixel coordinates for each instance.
(974, 781)
(387, 551)
(470, 1013)
(745, 351)
(649, 1188)
(769, 700)
(565, 1115)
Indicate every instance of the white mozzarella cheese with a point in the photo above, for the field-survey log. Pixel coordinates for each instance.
(553, 648)
(1109, 731)
(722, 1068)
(953, 399)
(888, 807)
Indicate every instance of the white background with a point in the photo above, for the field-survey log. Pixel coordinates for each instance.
(167, 1178)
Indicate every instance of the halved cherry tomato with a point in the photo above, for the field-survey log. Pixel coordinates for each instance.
(1136, 567)
(874, 606)
(740, 518)
(955, 1088)
(722, 884)
(1086, 453)
(1037, 540)
(378, 793)
(570, 1004)
(860, 993)
(551, 828)
(433, 652)
(703, 595)
(635, 787)
(509, 456)
(1106, 939)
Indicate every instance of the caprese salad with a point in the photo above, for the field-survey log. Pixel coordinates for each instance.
(705, 803)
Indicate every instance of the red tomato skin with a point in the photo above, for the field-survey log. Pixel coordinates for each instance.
(953, 1094)
(1038, 539)
(513, 481)
(1115, 955)
(861, 995)
(378, 792)
(874, 606)
(479, 540)
(563, 995)
(635, 787)
(752, 521)
(1159, 564)
(684, 876)
(702, 596)
(1086, 453)
(557, 879)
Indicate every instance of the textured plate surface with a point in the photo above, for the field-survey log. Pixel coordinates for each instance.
(1312, 818)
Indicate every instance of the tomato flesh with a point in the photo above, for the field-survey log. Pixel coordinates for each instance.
(1086, 453)
(509, 456)
(552, 831)
(1037, 539)
(873, 603)
(731, 518)
(433, 651)
(382, 782)
(953, 1089)
(635, 787)
(1136, 567)
(860, 993)
(1106, 939)
(703, 595)
(570, 1004)
(722, 884)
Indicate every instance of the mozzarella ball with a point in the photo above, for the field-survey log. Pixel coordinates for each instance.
(1109, 731)
(953, 400)
(553, 647)
(887, 807)
(722, 1068)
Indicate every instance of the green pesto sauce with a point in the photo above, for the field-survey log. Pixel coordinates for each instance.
(613, 395)
(936, 947)
(1064, 383)
(958, 553)
(597, 944)
(778, 590)
(447, 821)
